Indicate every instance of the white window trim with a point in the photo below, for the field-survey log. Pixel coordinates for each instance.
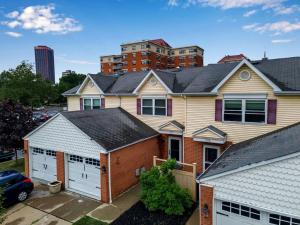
(244, 110)
(92, 103)
(203, 155)
(180, 147)
(153, 105)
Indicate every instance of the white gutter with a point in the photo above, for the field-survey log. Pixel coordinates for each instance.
(109, 179)
(195, 94)
(287, 93)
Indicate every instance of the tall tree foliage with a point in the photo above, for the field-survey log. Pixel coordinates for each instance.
(23, 86)
(67, 82)
(15, 122)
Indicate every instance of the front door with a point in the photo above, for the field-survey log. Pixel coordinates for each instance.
(175, 148)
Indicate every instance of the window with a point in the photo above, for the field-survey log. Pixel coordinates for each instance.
(91, 161)
(283, 220)
(143, 46)
(158, 50)
(76, 158)
(154, 106)
(145, 62)
(50, 153)
(125, 56)
(133, 62)
(182, 51)
(133, 54)
(91, 103)
(192, 50)
(133, 47)
(38, 150)
(124, 48)
(245, 110)
(241, 210)
(211, 153)
(144, 53)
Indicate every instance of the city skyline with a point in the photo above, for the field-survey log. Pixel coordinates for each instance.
(83, 31)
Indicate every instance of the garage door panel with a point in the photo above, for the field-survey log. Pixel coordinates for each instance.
(43, 164)
(84, 174)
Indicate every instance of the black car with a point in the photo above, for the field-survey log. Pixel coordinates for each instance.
(6, 155)
(15, 186)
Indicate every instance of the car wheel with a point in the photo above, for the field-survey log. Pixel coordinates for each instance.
(22, 196)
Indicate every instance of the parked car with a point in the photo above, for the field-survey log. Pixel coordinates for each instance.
(6, 155)
(51, 113)
(16, 187)
(38, 116)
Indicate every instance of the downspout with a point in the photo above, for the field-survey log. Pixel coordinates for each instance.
(185, 123)
(109, 179)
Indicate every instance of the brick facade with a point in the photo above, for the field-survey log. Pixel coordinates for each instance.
(26, 157)
(60, 167)
(206, 202)
(104, 178)
(124, 163)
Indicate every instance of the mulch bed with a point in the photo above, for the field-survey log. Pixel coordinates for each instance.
(139, 215)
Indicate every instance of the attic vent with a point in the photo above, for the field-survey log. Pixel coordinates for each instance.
(245, 75)
(153, 81)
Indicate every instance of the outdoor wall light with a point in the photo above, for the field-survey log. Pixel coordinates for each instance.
(103, 169)
(205, 210)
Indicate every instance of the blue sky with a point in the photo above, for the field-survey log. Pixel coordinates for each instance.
(80, 31)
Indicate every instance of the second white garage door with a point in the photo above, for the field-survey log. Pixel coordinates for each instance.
(84, 175)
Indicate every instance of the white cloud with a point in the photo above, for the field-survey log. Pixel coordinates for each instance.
(281, 41)
(42, 19)
(250, 13)
(283, 10)
(277, 27)
(173, 3)
(14, 34)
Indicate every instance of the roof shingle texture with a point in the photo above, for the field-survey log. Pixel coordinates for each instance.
(269, 146)
(111, 128)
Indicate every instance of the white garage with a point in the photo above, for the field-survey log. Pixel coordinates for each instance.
(43, 164)
(84, 175)
(255, 182)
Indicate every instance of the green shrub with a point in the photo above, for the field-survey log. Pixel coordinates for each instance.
(160, 191)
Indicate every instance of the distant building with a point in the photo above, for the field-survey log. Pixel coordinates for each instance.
(67, 72)
(151, 54)
(44, 62)
(232, 58)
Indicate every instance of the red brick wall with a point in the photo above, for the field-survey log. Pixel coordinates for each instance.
(124, 162)
(104, 178)
(60, 167)
(206, 198)
(193, 151)
(26, 157)
(106, 68)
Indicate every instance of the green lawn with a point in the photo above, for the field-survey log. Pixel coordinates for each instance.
(13, 165)
(89, 221)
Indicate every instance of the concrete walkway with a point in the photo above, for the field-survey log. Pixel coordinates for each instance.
(109, 212)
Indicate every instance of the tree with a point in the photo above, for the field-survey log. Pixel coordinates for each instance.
(66, 83)
(15, 122)
(23, 86)
(160, 191)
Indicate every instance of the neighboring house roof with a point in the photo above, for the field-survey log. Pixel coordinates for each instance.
(72, 91)
(232, 58)
(160, 42)
(270, 146)
(111, 128)
(284, 74)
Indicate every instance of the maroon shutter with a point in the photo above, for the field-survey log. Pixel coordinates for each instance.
(218, 110)
(81, 104)
(169, 107)
(272, 111)
(102, 103)
(138, 106)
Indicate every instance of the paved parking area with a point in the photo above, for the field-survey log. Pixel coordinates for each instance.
(43, 208)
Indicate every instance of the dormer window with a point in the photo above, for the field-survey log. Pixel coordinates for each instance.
(91, 103)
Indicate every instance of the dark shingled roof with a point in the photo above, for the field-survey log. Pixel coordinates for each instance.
(104, 82)
(266, 147)
(111, 128)
(72, 91)
(285, 73)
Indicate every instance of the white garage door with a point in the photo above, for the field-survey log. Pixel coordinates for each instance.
(43, 164)
(228, 213)
(84, 175)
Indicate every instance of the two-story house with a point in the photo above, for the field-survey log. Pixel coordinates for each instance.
(195, 115)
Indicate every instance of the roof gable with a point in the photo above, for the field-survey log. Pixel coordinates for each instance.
(89, 86)
(146, 80)
(172, 127)
(253, 68)
(210, 134)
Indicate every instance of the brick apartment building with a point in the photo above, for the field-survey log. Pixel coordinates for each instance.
(151, 54)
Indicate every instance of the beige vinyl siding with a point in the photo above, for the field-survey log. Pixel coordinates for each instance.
(129, 104)
(90, 90)
(201, 110)
(112, 101)
(149, 88)
(73, 103)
